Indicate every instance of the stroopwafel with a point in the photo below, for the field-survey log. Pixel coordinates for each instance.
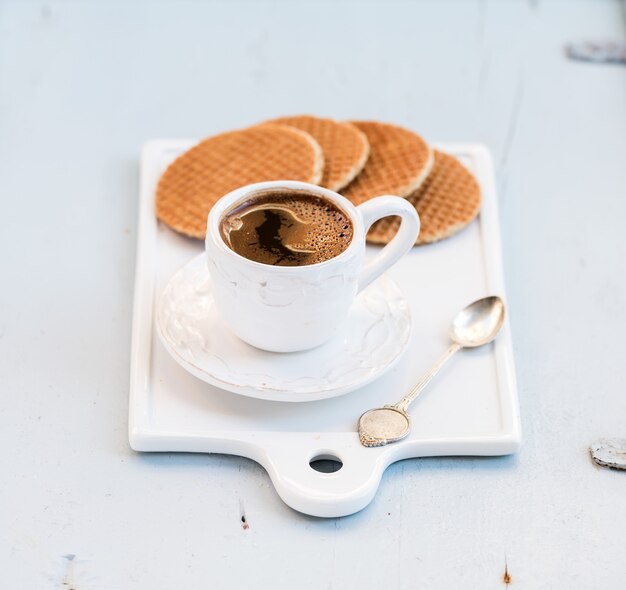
(398, 163)
(219, 164)
(447, 201)
(345, 147)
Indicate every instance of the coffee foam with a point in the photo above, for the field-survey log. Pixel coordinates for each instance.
(308, 228)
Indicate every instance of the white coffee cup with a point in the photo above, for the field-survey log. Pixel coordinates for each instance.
(290, 308)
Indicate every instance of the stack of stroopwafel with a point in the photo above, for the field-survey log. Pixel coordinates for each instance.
(361, 159)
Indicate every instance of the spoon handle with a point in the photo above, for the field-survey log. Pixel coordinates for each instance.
(404, 403)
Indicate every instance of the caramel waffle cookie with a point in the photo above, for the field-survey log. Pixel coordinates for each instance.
(217, 165)
(398, 163)
(446, 202)
(345, 147)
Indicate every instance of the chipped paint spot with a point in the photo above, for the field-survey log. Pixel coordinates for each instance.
(244, 521)
(506, 578)
(68, 578)
(609, 452)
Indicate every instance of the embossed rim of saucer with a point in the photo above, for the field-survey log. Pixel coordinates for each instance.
(375, 334)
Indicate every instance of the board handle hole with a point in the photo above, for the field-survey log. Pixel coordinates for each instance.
(326, 463)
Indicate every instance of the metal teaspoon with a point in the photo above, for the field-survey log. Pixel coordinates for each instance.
(475, 325)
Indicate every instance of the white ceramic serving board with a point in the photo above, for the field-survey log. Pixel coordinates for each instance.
(470, 408)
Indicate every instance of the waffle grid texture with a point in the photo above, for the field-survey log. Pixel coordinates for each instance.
(345, 147)
(220, 164)
(447, 201)
(398, 163)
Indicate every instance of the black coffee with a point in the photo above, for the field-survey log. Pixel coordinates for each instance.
(287, 228)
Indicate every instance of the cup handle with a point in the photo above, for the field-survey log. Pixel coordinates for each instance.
(376, 209)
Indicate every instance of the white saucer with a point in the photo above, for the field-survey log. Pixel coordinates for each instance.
(374, 335)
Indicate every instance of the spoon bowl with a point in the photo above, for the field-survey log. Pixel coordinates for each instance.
(479, 323)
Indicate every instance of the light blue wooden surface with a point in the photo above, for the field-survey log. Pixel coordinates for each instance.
(84, 84)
